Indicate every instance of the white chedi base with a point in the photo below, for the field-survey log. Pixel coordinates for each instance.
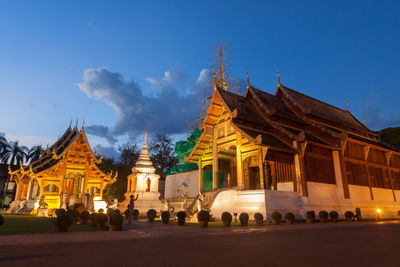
(145, 201)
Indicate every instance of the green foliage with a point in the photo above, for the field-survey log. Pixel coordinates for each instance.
(203, 216)
(85, 216)
(182, 149)
(59, 212)
(116, 219)
(391, 137)
(258, 216)
(151, 215)
(101, 219)
(165, 217)
(323, 214)
(334, 215)
(226, 217)
(348, 214)
(276, 216)
(244, 216)
(135, 212)
(93, 219)
(161, 154)
(310, 214)
(181, 217)
(64, 221)
(289, 216)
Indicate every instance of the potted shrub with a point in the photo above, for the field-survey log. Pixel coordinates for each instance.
(310, 216)
(203, 217)
(244, 219)
(181, 217)
(151, 215)
(165, 217)
(116, 220)
(135, 214)
(101, 219)
(59, 212)
(334, 216)
(84, 217)
(323, 216)
(349, 215)
(226, 218)
(126, 214)
(259, 218)
(289, 218)
(1, 220)
(276, 217)
(93, 219)
(63, 222)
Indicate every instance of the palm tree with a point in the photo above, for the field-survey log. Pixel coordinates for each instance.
(13, 154)
(33, 154)
(3, 143)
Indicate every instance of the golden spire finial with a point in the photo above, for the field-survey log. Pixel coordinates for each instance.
(248, 79)
(70, 123)
(215, 82)
(277, 74)
(76, 123)
(83, 124)
(145, 136)
(347, 105)
(364, 122)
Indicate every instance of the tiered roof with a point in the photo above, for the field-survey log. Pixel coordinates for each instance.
(277, 120)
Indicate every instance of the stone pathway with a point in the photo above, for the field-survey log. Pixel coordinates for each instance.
(142, 229)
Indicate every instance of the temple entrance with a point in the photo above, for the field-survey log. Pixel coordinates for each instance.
(148, 184)
(251, 173)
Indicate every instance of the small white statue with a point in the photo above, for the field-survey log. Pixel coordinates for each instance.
(43, 207)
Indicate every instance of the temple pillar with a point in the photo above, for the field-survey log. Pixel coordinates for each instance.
(101, 188)
(260, 167)
(392, 183)
(340, 174)
(215, 162)
(239, 162)
(200, 164)
(366, 152)
(29, 189)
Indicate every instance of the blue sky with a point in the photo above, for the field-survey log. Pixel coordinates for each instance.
(116, 64)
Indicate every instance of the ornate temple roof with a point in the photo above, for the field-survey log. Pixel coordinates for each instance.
(144, 164)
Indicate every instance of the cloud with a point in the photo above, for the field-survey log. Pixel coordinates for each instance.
(108, 151)
(102, 131)
(169, 110)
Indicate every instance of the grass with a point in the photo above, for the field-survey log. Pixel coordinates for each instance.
(22, 224)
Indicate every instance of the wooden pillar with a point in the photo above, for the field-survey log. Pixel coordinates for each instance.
(273, 175)
(200, 164)
(345, 181)
(388, 156)
(260, 167)
(293, 174)
(215, 161)
(239, 162)
(366, 152)
(29, 189)
(303, 180)
(18, 188)
(101, 188)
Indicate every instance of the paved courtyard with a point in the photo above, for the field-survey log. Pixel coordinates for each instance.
(145, 244)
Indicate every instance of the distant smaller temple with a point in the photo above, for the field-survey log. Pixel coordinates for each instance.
(66, 173)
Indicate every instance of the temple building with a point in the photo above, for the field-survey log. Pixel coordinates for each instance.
(287, 151)
(65, 174)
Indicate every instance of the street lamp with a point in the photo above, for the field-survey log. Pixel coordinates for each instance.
(379, 213)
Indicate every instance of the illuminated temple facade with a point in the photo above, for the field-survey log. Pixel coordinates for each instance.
(65, 174)
(290, 152)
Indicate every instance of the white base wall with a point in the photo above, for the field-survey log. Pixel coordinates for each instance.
(189, 180)
(321, 197)
(145, 201)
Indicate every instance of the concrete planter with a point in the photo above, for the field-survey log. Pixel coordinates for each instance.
(260, 222)
(289, 221)
(203, 224)
(275, 221)
(226, 223)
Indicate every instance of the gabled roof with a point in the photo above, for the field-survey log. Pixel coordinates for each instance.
(318, 110)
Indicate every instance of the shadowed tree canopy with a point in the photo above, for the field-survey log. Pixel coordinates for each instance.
(161, 151)
(12, 153)
(391, 137)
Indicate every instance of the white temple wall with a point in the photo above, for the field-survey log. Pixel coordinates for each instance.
(359, 192)
(285, 186)
(381, 194)
(173, 182)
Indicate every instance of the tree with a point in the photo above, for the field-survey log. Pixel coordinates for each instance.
(391, 137)
(3, 143)
(161, 152)
(33, 154)
(13, 153)
(129, 155)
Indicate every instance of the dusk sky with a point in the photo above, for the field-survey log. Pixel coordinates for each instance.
(119, 64)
